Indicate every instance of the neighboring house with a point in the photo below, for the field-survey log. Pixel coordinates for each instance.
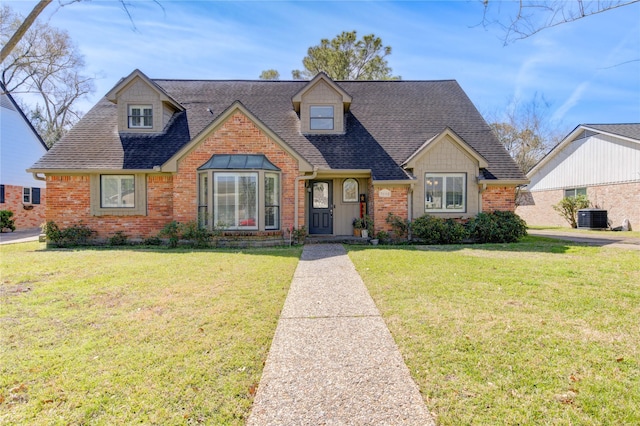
(259, 158)
(20, 147)
(601, 161)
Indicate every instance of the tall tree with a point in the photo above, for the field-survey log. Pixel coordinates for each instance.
(526, 131)
(529, 17)
(45, 62)
(348, 58)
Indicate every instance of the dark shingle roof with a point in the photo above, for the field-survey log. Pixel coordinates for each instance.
(387, 122)
(629, 130)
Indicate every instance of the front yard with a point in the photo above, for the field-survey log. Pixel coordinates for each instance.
(538, 332)
(102, 337)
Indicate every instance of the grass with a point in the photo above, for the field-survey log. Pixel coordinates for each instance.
(594, 232)
(99, 336)
(539, 332)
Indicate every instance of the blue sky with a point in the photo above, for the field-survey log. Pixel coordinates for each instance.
(588, 70)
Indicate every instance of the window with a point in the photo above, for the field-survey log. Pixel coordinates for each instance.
(117, 191)
(321, 117)
(203, 199)
(140, 116)
(235, 200)
(574, 192)
(350, 191)
(271, 201)
(445, 192)
(26, 195)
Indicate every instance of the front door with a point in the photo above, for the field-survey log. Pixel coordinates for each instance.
(321, 211)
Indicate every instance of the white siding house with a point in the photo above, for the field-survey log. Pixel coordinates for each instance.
(599, 160)
(20, 148)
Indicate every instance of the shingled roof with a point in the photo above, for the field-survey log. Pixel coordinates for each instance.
(386, 123)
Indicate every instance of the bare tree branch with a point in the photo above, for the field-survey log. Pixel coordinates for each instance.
(533, 16)
(24, 27)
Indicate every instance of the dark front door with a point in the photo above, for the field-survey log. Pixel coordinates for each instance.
(321, 211)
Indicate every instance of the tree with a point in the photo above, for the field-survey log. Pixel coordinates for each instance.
(568, 208)
(347, 58)
(270, 75)
(47, 63)
(526, 131)
(533, 16)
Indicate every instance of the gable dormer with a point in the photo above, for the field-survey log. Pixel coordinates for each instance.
(143, 106)
(321, 105)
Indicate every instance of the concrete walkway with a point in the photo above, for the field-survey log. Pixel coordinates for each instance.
(333, 360)
(19, 236)
(602, 239)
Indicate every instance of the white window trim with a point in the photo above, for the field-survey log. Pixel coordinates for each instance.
(444, 177)
(26, 195)
(130, 116)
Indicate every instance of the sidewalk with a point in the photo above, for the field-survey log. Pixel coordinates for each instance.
(333, 360)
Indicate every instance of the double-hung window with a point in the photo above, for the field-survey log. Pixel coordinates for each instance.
(271, 200)
(140, 116)
(321, 117)
(445, 192)
(30, 195)
(117, 191)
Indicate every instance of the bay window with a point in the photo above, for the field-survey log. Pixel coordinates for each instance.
(239, 192)
(445, 192)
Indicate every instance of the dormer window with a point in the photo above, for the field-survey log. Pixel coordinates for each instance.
(140, 116)
(321, 117)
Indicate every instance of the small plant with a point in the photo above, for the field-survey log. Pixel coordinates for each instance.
(383, 237)
(497, 227)
(358, 223)
(119, 238)
(568, 208)
(299, 235)
(435, 230)
(5, 220)
(400, 227)
(152, 241)
(199, 237)
(172, 231)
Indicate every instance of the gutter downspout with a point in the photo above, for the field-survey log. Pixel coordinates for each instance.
(297, 193)
(36, 177)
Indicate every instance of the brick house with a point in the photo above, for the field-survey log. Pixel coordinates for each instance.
(601, 161)
(20, 146)
(262, 157)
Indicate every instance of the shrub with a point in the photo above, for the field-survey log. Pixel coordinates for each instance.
(434, 230)
(199, 237)
(497, 227)
(152, 241)
(568, 208)
(5, 220)
(383, 237)
(72, 236)
(299, 235)
(119, 238)
(400, 227)
(172, 231)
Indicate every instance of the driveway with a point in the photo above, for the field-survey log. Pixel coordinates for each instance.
(607, 238)
(19, 236)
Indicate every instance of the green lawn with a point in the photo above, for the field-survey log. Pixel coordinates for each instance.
(539, 332)
(102, 337)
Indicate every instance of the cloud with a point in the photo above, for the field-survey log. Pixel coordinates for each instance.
(574, 98)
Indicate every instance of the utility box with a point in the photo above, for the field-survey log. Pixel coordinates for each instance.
(592, 219)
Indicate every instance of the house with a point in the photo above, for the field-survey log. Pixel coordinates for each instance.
(601, 161)
(259, 158)
(20, 147)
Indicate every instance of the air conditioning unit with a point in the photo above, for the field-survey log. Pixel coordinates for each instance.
(592, 219)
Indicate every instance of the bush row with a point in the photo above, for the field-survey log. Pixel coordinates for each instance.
(495, 227)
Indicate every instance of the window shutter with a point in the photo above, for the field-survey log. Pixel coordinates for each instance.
(35, 195)
(1, 193)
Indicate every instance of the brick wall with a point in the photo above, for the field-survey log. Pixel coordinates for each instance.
(622, 201)
(33, 216)
(238, 135)
(69, 204)
(500, 198)
(380, 207)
